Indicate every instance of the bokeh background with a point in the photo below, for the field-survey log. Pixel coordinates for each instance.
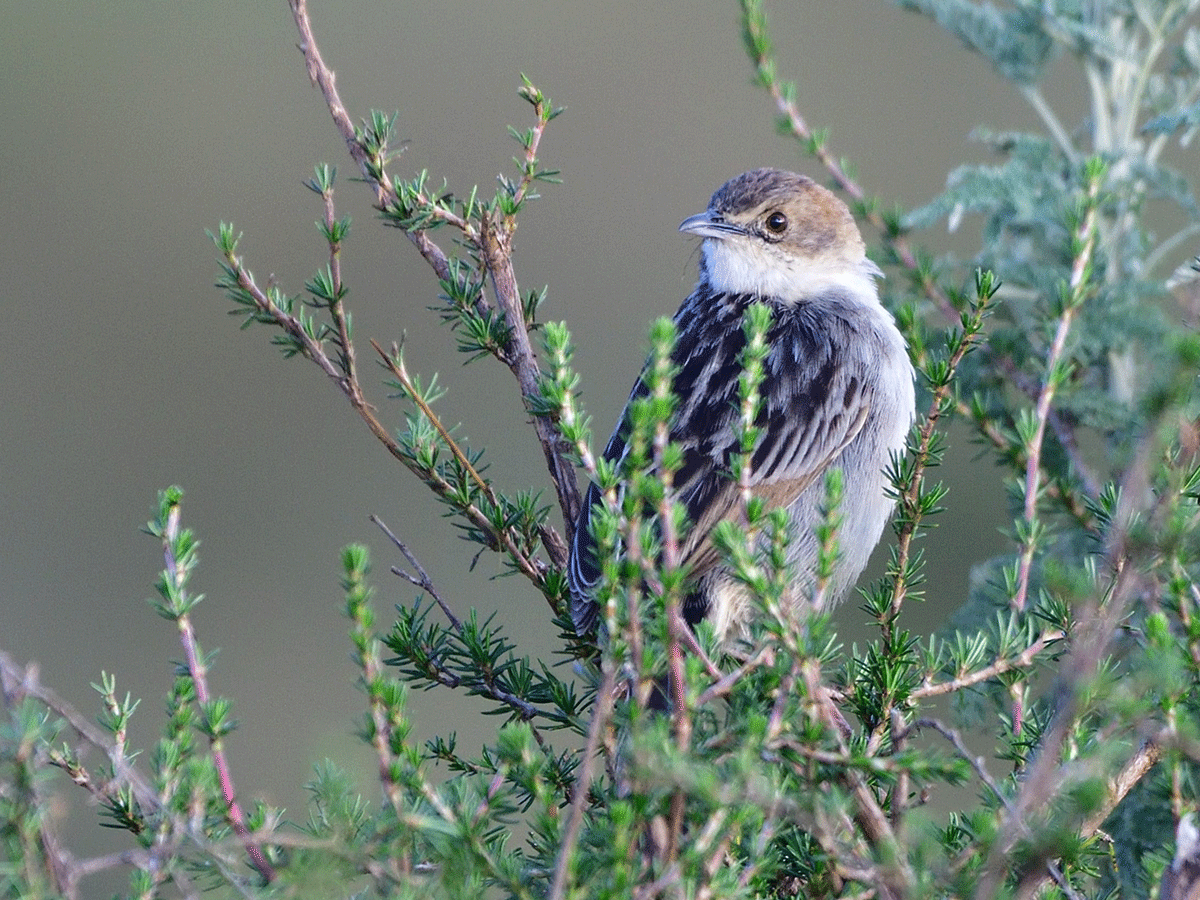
(131, 127)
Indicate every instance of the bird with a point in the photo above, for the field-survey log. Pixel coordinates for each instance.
(1181, 878)
(837, 392)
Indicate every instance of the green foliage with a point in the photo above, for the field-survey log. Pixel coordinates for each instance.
(1062, 695)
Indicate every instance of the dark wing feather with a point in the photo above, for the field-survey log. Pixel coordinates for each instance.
(810, 410)
(583, 572)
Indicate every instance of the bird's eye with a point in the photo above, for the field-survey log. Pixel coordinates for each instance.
(777, 223)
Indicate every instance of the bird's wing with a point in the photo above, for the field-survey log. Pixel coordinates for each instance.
(583, 572)
(811, 408)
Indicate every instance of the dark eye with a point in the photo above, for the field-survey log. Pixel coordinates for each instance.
(777, 223)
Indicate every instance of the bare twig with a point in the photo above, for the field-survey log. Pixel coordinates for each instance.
(976, 762)
(421, 579)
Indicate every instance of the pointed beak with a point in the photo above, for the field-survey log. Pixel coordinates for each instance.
(709, 225)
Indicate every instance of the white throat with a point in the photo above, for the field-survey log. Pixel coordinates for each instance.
(748, 267)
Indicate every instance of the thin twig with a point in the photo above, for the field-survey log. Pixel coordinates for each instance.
(726, 682)
(976, 762)
(493, 238)
(421, 579)
(534, 569)
(1085, 236)
(336, 311)
(1022, 660)
(323, 78)
(892, 880)
(910, 496)
(600, 721)
(19, 682)
(24, 682)
(503, 537)
(198, 671)
(796, 123)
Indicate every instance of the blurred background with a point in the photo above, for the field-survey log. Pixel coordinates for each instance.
(131, 127)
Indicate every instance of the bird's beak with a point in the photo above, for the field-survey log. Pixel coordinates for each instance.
(709, 225)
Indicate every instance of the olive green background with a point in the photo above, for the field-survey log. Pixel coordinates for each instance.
(131, 127)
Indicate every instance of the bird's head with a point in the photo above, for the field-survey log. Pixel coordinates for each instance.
(778, 234)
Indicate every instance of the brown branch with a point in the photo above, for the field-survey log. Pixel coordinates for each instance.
(495, 244)
(336, 310)
(314, 350)
(1022, 660)
(530, 567)
(23, 682)
(421, 579)
(323, 78)
(893, 878)
(494, 241)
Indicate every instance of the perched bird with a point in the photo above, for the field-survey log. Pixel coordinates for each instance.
(837, 392)
(1181, 879)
